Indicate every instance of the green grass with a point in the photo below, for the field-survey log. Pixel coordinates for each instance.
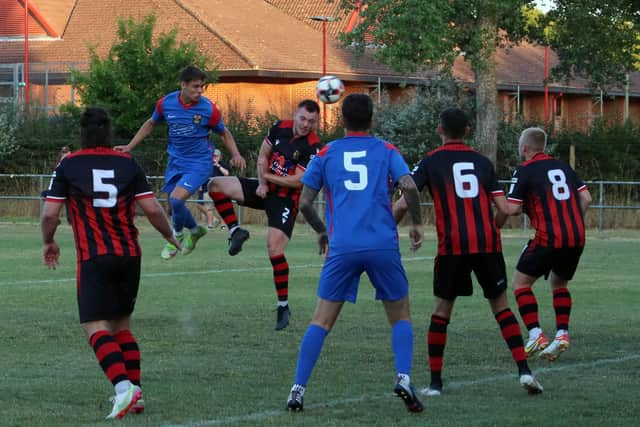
(211, 357)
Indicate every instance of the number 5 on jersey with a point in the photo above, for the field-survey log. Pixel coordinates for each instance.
(99, 186)
(362, 181)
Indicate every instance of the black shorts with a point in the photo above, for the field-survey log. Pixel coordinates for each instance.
(281, 211)
(538, 260)
(107, 287)
(452, 275)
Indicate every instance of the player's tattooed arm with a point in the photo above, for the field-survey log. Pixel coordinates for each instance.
(307, 197)
(411, 197)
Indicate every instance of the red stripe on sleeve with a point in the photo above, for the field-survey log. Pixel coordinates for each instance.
(215, 116)
(159, 107)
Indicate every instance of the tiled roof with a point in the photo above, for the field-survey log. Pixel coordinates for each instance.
(259, 39)
(304, 10)
(274, 41)
(12, 20)
(57, 12)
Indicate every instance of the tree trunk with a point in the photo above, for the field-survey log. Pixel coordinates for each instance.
(486, 133)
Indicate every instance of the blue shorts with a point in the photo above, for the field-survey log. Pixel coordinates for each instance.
(191, 179)
(341, 275)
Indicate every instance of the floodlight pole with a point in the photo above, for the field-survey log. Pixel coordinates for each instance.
(324, 20)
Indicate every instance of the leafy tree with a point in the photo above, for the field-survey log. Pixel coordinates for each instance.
(595, 39)
(410, 123)
(138, 70)
(415, 34)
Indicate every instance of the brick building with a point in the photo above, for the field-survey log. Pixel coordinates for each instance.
(269, 55)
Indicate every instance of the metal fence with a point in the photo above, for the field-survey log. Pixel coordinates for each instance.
(608, 196)
(48, 84)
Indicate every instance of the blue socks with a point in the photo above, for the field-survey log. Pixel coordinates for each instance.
(310, 349)
(402, 345)
(180, 215)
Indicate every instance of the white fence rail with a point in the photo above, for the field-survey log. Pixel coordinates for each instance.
(600, 190)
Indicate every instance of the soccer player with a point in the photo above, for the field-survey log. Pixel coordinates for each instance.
(282, 161)
(101, 187)
(190, 117)
(555, 200)
(358, 173)
(463, 185)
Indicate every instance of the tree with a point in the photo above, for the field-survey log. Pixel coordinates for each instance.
(410, 123)
(595, 39)
(474, 29)
(137, 71)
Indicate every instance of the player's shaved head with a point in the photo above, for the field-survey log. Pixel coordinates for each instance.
(95, 128)
(535, 138)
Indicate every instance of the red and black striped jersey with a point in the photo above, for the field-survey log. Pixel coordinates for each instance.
(100, 187)
(548, 190)
(462, 183)
(289, 153)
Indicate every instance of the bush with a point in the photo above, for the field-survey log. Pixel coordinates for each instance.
(410, 123)
(8, 140)
(605, 153)
(140, 68)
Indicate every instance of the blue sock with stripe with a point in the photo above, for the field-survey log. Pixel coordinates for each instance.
(402, 345)
(310, 349)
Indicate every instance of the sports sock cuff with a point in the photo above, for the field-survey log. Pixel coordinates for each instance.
(318, 330)
(438, 319)
(521, 291)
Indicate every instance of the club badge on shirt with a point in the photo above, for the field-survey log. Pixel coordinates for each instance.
(197, 118)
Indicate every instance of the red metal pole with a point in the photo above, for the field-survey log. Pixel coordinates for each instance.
(324, 70)
(324, 48)
(26, 55)
(546, 85)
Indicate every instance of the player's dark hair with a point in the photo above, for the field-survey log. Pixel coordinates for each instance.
(454, 122)
(95, 128)
(191, 72)
(309, 105)
(357, 112)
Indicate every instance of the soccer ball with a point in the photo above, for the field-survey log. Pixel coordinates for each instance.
(329, 89)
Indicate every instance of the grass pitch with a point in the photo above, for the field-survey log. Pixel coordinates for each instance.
(211, 356)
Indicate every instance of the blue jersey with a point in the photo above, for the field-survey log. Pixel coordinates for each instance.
(188, 127)
(358, 174)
